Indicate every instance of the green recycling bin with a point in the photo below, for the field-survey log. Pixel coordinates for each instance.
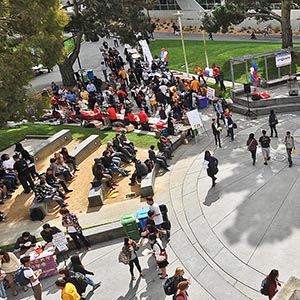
(130, 226)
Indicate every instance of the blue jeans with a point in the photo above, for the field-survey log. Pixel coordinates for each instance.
(289, 154)
(2, 291)
(89, 281)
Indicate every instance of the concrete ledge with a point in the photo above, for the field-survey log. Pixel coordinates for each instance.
(43, 206)
(86, 148)
(52, 144)
(102, 234)
(147, 183)
(97, 195)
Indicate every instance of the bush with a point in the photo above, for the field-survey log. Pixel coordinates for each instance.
(276, 29)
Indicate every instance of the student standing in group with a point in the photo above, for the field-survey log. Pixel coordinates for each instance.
(130, 247)
(182, 293)
(290, 145)
(211, 165)
(33, 277)
(229, 126)
(216, 129)
(252, 147)
(273, 121)
(265, 141)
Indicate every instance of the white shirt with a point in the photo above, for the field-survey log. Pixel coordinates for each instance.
(8, 164)
(29, 273)
(157, 219)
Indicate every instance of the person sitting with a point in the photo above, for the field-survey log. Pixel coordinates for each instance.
(141, 170)
(101, 175)
(45, 193)
(55, 181)
(118, 146)
(129, 146)
(108, 163)
(68, 159)
(132, 119)
(112, 113)
(25, 242)
(4, 195)
(165, 146)
(59, 170)
(160, 159)
(115, 154)
(143, 120)
(48, 232)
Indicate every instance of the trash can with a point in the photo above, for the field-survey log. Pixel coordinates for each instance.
(142, 216)
(164, 211)
(202, 102)
(130, 226)
(90, 74)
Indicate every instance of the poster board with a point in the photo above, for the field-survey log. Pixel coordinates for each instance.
(194, 118)
(283, 59)
(210, 93)
(60, 242)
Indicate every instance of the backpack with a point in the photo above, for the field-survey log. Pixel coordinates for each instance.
(82, 282)
(37, 214)
(265, 141)
(264, 287)
(169, 287)
(123, 258)
(20, 277)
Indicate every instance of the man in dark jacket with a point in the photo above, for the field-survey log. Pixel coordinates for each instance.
(24, 177)
(215, 126)
(141, 170)
(48, 232)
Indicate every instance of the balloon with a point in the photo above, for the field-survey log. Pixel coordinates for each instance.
(251, 70)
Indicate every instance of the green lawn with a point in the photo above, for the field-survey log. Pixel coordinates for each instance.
(219, 52)
(9, 137)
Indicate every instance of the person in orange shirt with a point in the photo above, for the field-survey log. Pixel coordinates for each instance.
(123, 74)
(199, 72)
(195, 85)
(68, 290)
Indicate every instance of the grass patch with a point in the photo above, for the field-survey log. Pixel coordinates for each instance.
(220, 52)
(11, 136)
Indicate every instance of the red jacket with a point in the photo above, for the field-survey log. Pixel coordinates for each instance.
(143, 117)
(112, 113)
(131, 117)
(273, 288)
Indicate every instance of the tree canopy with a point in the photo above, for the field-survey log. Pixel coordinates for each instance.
(24, 26)
(236, 11)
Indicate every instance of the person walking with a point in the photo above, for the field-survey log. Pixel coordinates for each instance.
(273, 121)
(211, 165)
(9, 264)
(252, 147)
(216, 129)
(68, 290)
(77, 266)
(229, 126)
(273, 283)
(32, 276)
(265, 141)
(70, 221)
(290, 145)
(159, 254)
(129, 249)
(182, 293)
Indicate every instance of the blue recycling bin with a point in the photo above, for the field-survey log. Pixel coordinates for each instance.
(90, 74)
(142, 216)
(202, 102)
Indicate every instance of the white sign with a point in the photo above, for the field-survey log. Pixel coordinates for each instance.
(60, 241)
(194, 119)
(146, 51)
(283, 59)
(210, 93)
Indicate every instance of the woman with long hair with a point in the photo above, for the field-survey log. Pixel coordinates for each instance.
(273, 283)
(182, 293)
(252, 147)
(130, 247)
(9, 263)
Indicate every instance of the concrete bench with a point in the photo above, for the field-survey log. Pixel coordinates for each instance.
(277, 80)
(86, 148)
(52, 144)
(148, 182)
(43, 206)
(97, 195)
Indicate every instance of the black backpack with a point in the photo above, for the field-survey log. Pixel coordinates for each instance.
(264, 287)
(169, 286)
(37, 214)
(20, 277)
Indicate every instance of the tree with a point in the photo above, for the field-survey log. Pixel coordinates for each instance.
(122, 18)
(235, 11)
(24, 26)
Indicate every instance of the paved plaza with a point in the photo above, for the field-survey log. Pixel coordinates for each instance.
(226, 237)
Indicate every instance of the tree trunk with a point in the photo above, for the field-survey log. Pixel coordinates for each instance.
(67, 73)
(287, 35)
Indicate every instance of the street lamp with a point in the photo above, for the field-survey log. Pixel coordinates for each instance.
(204, 41)
(178, 15)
